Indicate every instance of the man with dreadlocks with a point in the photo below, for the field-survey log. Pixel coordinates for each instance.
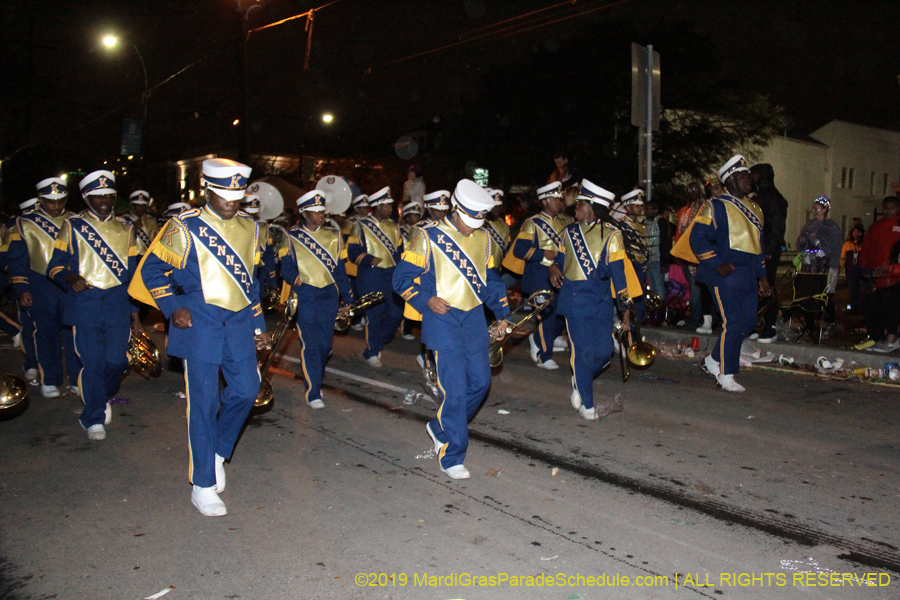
(594, 257)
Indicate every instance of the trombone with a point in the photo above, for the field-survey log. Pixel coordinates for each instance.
(633, 350)
(538, 301)
(266, 394)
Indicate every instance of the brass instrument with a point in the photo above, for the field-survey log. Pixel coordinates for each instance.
(266, 395)
(652, 301)
(270, 300)
(538, 301)
(632, 348)
(341, 324)
(143, 356)
(13, 392)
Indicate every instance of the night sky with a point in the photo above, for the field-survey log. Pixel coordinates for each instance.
(61, 89)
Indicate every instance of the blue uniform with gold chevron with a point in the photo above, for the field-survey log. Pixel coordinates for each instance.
(539, 234)
(104, 253)
(461, 270)
(377, 239)
(313, 265)
(729, 230)
(205, 264)
(594, 269)
(31, 246)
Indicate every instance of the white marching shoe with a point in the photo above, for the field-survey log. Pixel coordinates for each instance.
(533, 349)
(220, 474)
(32, 376)
(208, 502)
(560, 344)
(727, 383)
(375, 361)
(576, 397)
(549, 365)
(96, 432)
(706, 328)
(710, 366)
(437, 444)
(49, 391)
(588, 414)
(457, 472)
(316, 404)
(107, 419)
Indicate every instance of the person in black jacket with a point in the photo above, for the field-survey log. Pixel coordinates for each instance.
(774, 208)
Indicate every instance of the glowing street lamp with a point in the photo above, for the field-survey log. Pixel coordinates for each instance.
(327, 118)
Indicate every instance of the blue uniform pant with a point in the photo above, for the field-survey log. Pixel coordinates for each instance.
(28, 340)
(383, 318)
(592, 345)
(104, 355)
(738, 309)
(315, 326)
(215, 418)
(549, 328)
(463, 380)
(47, 314)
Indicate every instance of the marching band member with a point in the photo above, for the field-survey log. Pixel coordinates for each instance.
(537, 245)
(360, 210)
(176, 208)
(436, 206)
(312, 266)
(454, 261)
(411, 215)
(94, 258)
(594, 259)
(26, 336)
(199, 272)
(30, 250)
(726, 239)
(495, 225)
(635, 236)
(375, 248)
(145, 228)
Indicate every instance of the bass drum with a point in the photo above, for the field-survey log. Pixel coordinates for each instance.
(271, 202)
(337, 194)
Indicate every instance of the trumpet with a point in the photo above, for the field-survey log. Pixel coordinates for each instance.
(143, 356)
(341, 324)
(538, 301)
(266, 394)
(632, 348)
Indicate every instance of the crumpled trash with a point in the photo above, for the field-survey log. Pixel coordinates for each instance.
(751, 354)
(602, 411)
(427, 455)
(412, 397)
(118, 401)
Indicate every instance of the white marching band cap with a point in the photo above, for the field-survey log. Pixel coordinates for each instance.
(250, 204)
(53, 188)
(735, 164)
(313, 200)
(412, 208)
(139, 197)
(497, 195)
(551, 190)
(98, 183)
(633, 197)
(361, 200)
(226, 177)
(472, 203)
(28, 204)
(382, 196)
(176, 208)
(596, 194)
(439, 200)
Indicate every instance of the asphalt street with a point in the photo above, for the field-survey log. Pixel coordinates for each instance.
(787, 491)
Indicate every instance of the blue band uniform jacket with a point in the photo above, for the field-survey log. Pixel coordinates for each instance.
(462, 271)
(375, 239)
(594, 266)
(314, 259)
(539, 234)
(31, 244)
(148, 230)
(104, 253)
(206, 264)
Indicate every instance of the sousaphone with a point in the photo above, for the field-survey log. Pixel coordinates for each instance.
(271, 202)
(337, 194)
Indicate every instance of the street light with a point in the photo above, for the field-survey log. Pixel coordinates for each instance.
(327, 118)
(111, 41)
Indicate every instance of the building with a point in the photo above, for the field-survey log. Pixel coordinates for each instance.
(854, 165)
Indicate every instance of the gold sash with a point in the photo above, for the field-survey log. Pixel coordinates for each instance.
(40, 242)
(374, 246)
(312, 269)
(104, 248)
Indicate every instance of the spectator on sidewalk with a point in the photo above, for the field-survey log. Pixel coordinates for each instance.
(774, 208)
(850, 265)
(819, 245)
(652, 225)
(881, 308)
